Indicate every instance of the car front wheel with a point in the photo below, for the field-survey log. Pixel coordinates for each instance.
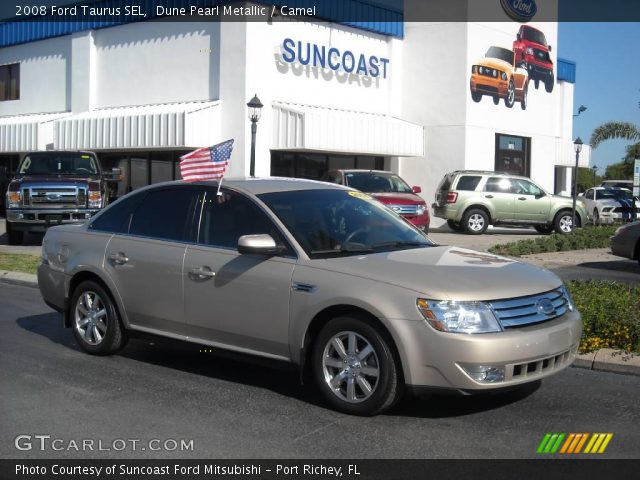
(95, 320)
(14, 237)
(563, 222)
(354, 367)
(510, 99)
(596, 217)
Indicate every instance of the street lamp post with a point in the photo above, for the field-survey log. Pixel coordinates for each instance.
(255, 109)
(577, 145)
(595, 169)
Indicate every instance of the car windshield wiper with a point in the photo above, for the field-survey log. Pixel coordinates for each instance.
(348, 248)
(400, 244)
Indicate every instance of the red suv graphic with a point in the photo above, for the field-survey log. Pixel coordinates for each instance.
(531, 49)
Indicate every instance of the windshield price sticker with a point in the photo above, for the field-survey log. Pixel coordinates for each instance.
(360, 195)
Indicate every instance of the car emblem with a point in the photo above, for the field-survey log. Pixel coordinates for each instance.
(54, 196)
(395, 209)
(545, 306)
(520, 10)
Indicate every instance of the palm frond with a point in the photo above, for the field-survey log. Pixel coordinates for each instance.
(610, 130)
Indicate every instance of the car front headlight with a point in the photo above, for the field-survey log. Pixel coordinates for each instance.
(503, 76)
(568, 298)
(13, 199)
(421, 209)
(529, 51)
(95, 199)
(458, 317)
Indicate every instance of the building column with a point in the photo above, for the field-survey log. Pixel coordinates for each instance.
(82, 80)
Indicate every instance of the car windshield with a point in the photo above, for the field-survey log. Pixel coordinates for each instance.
(614, 194)
(500, 53)
(58, 164)
(376, 182)
(330, 223)
(534, 35)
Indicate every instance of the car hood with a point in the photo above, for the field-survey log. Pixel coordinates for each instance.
(48, 179)
(398, 198)
(494, 63)
(447, 273)
(610, 202)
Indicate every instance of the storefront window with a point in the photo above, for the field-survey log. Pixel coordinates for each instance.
(315, 166)
(161, 167)
(513, 154)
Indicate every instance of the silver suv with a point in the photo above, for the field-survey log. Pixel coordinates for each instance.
(310, 273)
(472, 200)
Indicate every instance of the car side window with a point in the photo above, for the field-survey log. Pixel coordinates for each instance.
(498, 185)
(335, 178)
(165, 213)
(589, 194)
(229, 216)
(116, 218)
(468, 182)
(523, 187)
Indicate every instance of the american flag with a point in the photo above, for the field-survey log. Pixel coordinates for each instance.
(208, 163)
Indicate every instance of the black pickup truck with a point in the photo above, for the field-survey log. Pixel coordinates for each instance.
(55, 187)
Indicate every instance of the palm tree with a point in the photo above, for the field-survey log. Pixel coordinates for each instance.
(609, 130)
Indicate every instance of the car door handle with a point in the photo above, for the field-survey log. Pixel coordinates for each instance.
(202, 273)
(488, 196)
(119, 258)
(522, 198)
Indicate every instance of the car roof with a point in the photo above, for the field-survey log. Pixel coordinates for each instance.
(611, 188)
(257, 186)
(362, 170)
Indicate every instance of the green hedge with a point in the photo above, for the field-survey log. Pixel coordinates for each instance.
(610, 314)
(588, 237)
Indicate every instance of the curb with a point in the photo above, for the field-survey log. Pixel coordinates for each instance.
(603, 360)
(19, 278)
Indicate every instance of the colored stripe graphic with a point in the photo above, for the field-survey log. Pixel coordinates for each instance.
(573, 443)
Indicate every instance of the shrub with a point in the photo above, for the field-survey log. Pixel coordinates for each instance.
(610, 314)
(580, 239)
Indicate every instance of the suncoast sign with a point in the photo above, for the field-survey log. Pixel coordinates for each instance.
(321, 56)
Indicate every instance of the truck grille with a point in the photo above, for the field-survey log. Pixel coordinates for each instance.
(519, 312)
(541, 55)
(56, 197)
(405, 209)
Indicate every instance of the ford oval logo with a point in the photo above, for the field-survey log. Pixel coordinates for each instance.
(545, 306)
(520, 10)
(54, 196)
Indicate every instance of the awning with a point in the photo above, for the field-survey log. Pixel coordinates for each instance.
(314, 128)
(24, 133)
(566, 155)
(177, 125)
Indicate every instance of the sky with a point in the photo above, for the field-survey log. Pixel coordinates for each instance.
(607, 80)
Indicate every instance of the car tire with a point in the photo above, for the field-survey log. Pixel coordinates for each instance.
(523, 102)
(14, 237)
(548, 84)
(95, 321)
(596, 217)
(455, 226)
(544, 229)
(475, 221)
(475, 96)
(562, 222)
(510, 99)
(536, 83)
(496, 100)
(350, 383)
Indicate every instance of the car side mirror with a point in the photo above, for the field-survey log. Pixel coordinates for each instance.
(114, 175)
(518, 36)
(261, 244)
(416, 189)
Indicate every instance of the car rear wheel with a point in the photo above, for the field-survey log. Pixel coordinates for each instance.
(354, 367)
(475, 222)
(563, 222)
(544, 229)
(455, 226)
(95, 320)
(509, 100)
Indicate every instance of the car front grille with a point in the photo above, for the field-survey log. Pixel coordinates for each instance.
(56, 197)
(523, 311)
(405, 209)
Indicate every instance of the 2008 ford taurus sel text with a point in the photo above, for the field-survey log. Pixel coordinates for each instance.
(311, 273)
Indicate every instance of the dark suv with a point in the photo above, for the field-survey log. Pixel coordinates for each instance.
(52, 188)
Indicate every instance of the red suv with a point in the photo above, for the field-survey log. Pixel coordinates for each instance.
(531, 49)
(387, 188)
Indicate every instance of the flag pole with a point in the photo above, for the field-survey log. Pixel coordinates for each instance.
(219, 185)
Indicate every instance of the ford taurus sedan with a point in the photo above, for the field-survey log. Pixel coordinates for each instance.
(314, 274)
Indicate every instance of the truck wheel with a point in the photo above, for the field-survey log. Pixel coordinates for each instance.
(354, 367)
(510, 99)
(475, 222)
(536, 83)
(455, 226)
(548, 84)
(95, 320)
(14, 237)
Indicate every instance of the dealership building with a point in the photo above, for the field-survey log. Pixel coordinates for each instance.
(389, 94)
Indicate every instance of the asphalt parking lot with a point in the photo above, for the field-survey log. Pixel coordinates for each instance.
(234, 409)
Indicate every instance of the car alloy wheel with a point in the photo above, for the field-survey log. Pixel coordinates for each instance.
(351, 367)
(91, 317)
(523, 102)
(509, 100)
(475, 221)
(565, 223)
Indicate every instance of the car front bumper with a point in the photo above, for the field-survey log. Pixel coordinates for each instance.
(438, 360)
(33, 220)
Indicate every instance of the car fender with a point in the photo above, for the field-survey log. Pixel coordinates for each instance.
(474, 203)
(580, 211)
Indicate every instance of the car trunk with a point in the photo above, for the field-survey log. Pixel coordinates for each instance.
(443, 189)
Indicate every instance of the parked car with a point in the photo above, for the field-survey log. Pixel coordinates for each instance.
(626, 241)
(498, 76)
(52, 188)
(318, 275)
(618, 184)
(608, 205)
(471, 200)
(387, 188)
(532, 50)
